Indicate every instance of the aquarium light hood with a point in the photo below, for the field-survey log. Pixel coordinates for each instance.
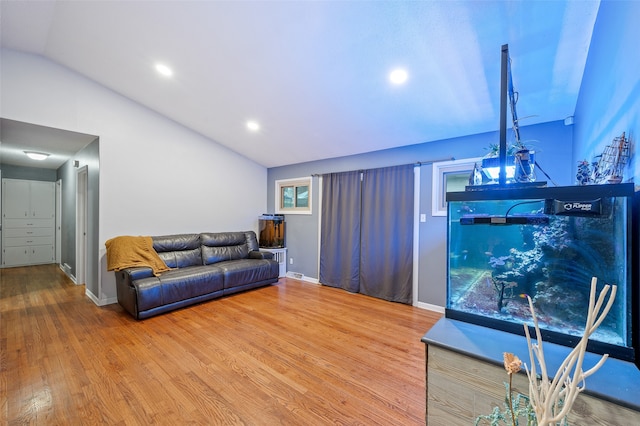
(552, 207)
(519, 219)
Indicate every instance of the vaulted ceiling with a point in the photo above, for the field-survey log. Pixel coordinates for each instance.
(314, 74)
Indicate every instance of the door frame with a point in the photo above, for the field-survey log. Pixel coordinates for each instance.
(58, 232)
(82, 180)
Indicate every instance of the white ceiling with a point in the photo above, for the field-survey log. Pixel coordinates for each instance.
(314, 73)
(17, 137)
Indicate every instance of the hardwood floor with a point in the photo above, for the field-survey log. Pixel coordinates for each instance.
(293, 353)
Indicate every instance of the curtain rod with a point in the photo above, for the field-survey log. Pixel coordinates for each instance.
(417, 163)
(423, 163)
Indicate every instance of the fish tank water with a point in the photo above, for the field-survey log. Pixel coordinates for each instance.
(547, 243)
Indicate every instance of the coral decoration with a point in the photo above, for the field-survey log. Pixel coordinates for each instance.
(552, 400)
(512, 363)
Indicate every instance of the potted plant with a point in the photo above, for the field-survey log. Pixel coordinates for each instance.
(519, 163)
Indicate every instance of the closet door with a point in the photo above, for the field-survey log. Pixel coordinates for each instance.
(15, 199)
(42, 200)
(28, 216)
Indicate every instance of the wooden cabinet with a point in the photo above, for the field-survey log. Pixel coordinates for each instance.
(461, 387)
(28, 222)
(465, 378)
(15, 198)
(24, 199)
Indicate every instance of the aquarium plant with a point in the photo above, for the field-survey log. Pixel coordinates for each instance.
(516, 405)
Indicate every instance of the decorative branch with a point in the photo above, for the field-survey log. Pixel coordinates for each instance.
(552, 400)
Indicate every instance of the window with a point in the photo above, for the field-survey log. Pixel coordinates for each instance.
(293, 196)
(449, 176)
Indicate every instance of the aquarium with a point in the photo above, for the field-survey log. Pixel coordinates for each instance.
(546, 243)
(271, 234)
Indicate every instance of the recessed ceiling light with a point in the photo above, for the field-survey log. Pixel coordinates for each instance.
(164, 70)
(36, 155)
(398, 76)
(253, 126)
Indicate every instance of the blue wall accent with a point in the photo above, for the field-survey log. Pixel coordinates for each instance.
(88, 156)
(552, 141)
(609, 99)
(29, 173)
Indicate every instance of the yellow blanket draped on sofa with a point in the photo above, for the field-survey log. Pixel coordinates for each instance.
(129, 252)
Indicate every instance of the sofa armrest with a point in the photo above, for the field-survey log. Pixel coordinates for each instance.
(138, 273)
(255, 254)
(127, 295)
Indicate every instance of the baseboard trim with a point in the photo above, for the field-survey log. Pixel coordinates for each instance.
(100, 302)
(421, 305)
(93, 297)
(429, 307)
(301, 277)
(67, 271)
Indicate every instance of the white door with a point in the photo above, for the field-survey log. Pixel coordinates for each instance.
(18, 192)
(42, 200)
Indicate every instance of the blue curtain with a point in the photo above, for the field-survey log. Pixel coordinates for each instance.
(366, 244)
(386, 243)
(340, 237)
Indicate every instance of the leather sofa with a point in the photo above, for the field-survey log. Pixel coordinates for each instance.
(203, 266)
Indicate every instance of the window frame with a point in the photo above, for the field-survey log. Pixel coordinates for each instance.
(295, 183)
(439, 181)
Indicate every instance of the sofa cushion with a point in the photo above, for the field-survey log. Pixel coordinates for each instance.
(179, 251)
(218, 247)
(178, 284)
(252, 241)
(245, 271)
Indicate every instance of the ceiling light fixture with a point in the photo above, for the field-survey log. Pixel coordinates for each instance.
(253, 126)
(36, 155)
(164, 70)
(398, 76)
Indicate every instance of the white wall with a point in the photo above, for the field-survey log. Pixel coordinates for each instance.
(156, 176)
